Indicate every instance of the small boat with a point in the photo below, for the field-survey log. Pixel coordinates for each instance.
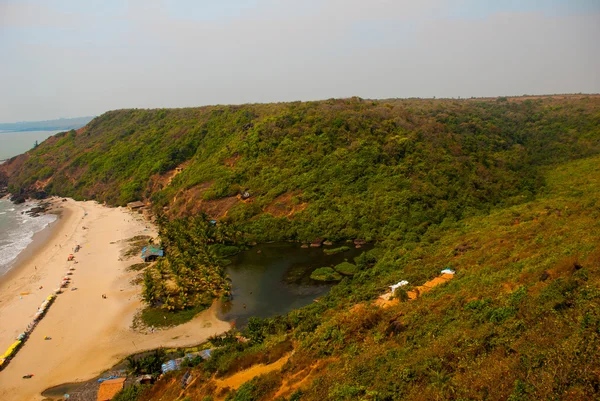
(29, 376)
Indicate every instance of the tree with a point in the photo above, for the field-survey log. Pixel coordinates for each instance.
(150, 292)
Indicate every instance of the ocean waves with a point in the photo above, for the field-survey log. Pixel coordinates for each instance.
(17, 229)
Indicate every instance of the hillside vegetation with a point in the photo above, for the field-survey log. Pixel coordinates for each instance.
(503, 191)
(335, 169)
(520, 321)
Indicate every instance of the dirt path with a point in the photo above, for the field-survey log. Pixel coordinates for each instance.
(385, 301)
(236, 380)
(296, 381)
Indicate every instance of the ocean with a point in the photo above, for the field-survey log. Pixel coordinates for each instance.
(17, 230)
(14, 143)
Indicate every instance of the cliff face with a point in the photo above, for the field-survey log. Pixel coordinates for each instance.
(306, 169)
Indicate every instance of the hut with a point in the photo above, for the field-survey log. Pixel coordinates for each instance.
(151, 253)
(135, 205)
(109, 388)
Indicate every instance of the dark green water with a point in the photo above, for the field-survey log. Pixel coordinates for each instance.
(273, 279)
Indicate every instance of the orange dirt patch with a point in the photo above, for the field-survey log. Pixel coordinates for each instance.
(190, 202)
(358, 308)
(14, 164)
(236, 380)
(385, 301)
(429, 285)
(297, 381)
(40, 185)
(218, 208)
(231, 161)
(283, 205)
(159, 181)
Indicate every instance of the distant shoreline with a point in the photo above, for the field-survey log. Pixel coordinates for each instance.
(62, 124)
(31, 130)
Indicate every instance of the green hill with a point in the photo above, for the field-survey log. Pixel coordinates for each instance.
(503, 191)
(520, 321)
(335, 169)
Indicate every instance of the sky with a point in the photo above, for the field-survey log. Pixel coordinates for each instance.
(69, 58)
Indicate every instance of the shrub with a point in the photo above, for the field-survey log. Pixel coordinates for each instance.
(131, 393)
(334, 251)
(325, 274)
(346, 268)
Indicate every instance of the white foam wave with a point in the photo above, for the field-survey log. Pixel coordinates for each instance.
(18, 239)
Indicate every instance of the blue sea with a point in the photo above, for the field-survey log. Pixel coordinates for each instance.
(17, 229)
(15, 143)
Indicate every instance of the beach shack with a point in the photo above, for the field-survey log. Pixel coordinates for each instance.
(135, 205)
(151, 253)
(109, 388)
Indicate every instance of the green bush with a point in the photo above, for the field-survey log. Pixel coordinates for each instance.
(333, 251)
(325, 274)
(131, 393)
(346, 269)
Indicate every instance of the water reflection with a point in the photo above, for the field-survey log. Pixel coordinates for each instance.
(272, 279)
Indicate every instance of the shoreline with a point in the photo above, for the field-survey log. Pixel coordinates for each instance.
(89, 333)
(39, 241)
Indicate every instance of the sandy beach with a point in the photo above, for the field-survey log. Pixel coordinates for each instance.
(89, 333)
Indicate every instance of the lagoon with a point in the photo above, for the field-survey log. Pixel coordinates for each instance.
(273, 279)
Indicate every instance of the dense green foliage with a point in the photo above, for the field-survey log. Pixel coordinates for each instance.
(191, 274)
(325, 274)
(397, 169)
(148, 364)
(520, 321)
(346, 268)
(131, 393)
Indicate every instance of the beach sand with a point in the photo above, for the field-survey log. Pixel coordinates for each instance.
(89, 333)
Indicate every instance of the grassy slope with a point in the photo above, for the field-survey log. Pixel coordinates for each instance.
(351, 168)
(520, 321)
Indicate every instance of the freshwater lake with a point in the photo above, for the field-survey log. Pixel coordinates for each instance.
(13, 143)
(272, 279)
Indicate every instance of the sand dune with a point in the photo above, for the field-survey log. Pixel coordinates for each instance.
(89, 333)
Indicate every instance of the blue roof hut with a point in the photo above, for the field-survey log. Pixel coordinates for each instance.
(151, 253)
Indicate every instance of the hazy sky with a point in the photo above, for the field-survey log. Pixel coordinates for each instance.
(73, 58)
